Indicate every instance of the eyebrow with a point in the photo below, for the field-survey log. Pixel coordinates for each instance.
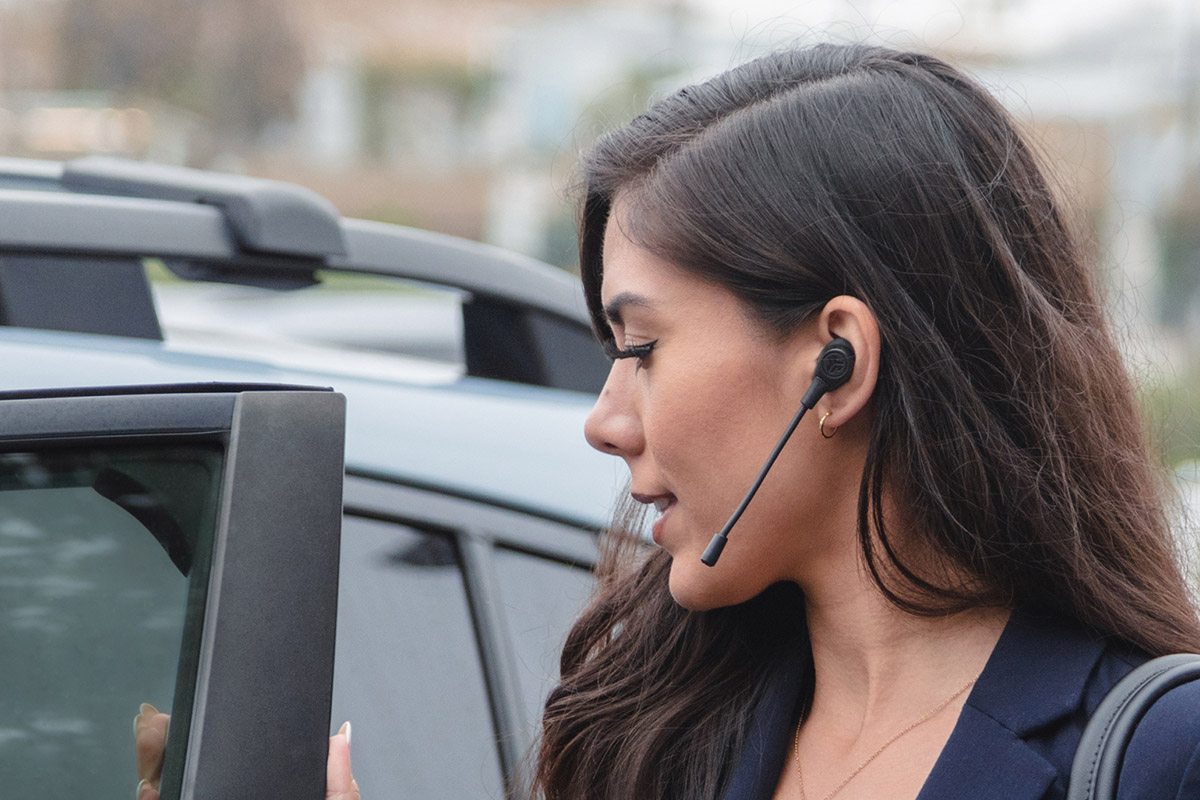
(622, 301)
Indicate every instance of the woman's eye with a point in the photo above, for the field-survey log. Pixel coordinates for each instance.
(638, 351)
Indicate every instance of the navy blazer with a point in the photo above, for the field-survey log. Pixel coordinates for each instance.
(1017, 733)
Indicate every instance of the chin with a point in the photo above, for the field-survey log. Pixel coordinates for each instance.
(697, 587)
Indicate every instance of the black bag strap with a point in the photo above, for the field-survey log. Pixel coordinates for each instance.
(1101, 750)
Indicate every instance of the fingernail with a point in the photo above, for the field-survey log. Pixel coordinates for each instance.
(346, 730)
(147, 709)
(135, 725)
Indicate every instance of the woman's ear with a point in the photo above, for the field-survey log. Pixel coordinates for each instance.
(850, 318)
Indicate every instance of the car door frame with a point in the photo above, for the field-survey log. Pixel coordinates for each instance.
(264, 655)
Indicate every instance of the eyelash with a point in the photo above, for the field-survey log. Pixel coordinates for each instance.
(638, 351)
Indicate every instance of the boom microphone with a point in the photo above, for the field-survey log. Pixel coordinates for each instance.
(834, 367)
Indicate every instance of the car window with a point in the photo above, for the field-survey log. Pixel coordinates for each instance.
(352, 313)
(407, 671)
(541, 600)
(95, 551)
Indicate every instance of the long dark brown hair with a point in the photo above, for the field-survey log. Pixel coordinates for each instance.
(1004, 423)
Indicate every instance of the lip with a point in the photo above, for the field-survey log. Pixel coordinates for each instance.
(663, 503)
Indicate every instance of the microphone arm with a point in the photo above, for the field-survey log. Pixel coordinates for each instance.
(834, 367)
(713, 551)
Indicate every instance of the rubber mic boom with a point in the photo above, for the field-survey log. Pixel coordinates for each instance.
(835, 365)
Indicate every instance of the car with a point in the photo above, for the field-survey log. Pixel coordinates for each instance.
(204, 380)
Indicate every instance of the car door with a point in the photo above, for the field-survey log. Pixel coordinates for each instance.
(174, 545)
(452, 613)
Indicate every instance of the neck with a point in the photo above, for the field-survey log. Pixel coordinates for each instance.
(878, 666)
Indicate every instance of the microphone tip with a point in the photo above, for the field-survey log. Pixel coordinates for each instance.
(713, 551)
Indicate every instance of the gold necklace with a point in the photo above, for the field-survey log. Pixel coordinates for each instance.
(925, 718)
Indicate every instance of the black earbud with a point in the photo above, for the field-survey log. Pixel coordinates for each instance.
(835, 365)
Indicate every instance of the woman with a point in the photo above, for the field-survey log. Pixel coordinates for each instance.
(948, 567)
(961, 549)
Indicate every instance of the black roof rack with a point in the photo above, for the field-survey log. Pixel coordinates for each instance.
(266, 216)
(524, 321)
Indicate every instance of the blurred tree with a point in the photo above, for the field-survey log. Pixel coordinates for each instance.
(253, 60)
(132, 48)
(1179, 270)
(238, 64)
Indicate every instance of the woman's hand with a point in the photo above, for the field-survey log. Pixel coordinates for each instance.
(339, 783)
(149, 742)
(150, 728)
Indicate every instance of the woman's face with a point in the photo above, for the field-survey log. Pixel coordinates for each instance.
(695, 418)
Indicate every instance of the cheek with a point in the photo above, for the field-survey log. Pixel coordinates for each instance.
(721, 411)
(711, 397)
(709, 436)
(690, 427)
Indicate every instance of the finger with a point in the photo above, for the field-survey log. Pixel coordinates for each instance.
(150, 729)
(146, 792)
(339, 782)
(150, 743)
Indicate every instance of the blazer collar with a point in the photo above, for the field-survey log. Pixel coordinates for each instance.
(1035, 676)
(983, 760)
(1037, 672)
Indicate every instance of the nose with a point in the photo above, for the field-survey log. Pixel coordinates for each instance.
(614, 426)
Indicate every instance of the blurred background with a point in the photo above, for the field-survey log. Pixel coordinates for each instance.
(465, 116)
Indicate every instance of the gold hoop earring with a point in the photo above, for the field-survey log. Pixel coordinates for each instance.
(821, 425)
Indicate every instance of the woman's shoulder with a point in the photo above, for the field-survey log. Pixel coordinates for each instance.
(1058, 660)
(1163, 759)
